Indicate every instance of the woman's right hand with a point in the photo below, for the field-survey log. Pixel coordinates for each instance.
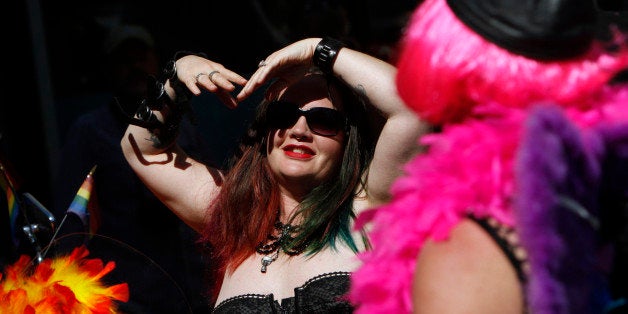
(288, 65)
(197, 72)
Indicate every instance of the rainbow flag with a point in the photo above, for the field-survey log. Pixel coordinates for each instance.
(79, 205)
(13, 208)
(6, 185)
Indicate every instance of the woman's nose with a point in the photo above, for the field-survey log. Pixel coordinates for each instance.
(300, 128)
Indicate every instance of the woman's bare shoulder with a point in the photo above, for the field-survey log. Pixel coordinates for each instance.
(468, 272)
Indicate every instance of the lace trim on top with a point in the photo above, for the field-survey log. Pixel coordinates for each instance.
(287, 304)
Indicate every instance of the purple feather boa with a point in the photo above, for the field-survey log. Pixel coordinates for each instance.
(559, 177)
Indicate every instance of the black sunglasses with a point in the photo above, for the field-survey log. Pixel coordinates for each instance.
(320, 120)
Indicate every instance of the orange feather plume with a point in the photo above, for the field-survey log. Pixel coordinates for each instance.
(65, 284)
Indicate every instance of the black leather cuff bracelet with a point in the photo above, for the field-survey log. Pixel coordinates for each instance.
(145, 114)
(326, 53)
(166, 132)
(158, 98)
(170, 73)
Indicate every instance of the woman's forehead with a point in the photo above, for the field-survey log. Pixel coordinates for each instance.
(311, 89)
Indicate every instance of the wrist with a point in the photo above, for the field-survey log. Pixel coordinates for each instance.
(325, 54)
(169, 71)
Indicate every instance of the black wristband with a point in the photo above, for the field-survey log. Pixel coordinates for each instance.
(326, 53)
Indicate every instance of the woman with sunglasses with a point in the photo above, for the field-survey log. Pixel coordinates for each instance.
(326, 143)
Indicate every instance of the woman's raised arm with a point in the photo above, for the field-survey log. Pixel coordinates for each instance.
(183, 184)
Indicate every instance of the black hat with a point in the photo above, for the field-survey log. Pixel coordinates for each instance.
(539, 29)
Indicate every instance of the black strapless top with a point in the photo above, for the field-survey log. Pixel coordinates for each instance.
(324, 293)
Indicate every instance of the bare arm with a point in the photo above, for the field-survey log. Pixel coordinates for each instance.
(185, 185)
(397, 142)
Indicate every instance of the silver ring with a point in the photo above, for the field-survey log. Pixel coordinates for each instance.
(261, 63)
(211, 74)
(199, 75)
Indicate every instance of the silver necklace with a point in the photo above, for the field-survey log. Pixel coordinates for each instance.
(277, 241)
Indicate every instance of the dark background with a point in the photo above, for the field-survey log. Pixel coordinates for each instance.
(53, 55)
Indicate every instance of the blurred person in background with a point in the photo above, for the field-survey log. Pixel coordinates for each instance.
(162, 263)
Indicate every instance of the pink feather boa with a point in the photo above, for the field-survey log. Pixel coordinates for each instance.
(468, 169)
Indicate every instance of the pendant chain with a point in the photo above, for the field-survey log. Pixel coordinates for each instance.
(275, 243)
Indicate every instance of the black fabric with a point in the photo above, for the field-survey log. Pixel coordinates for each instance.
(546, 30)
(324, 293)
